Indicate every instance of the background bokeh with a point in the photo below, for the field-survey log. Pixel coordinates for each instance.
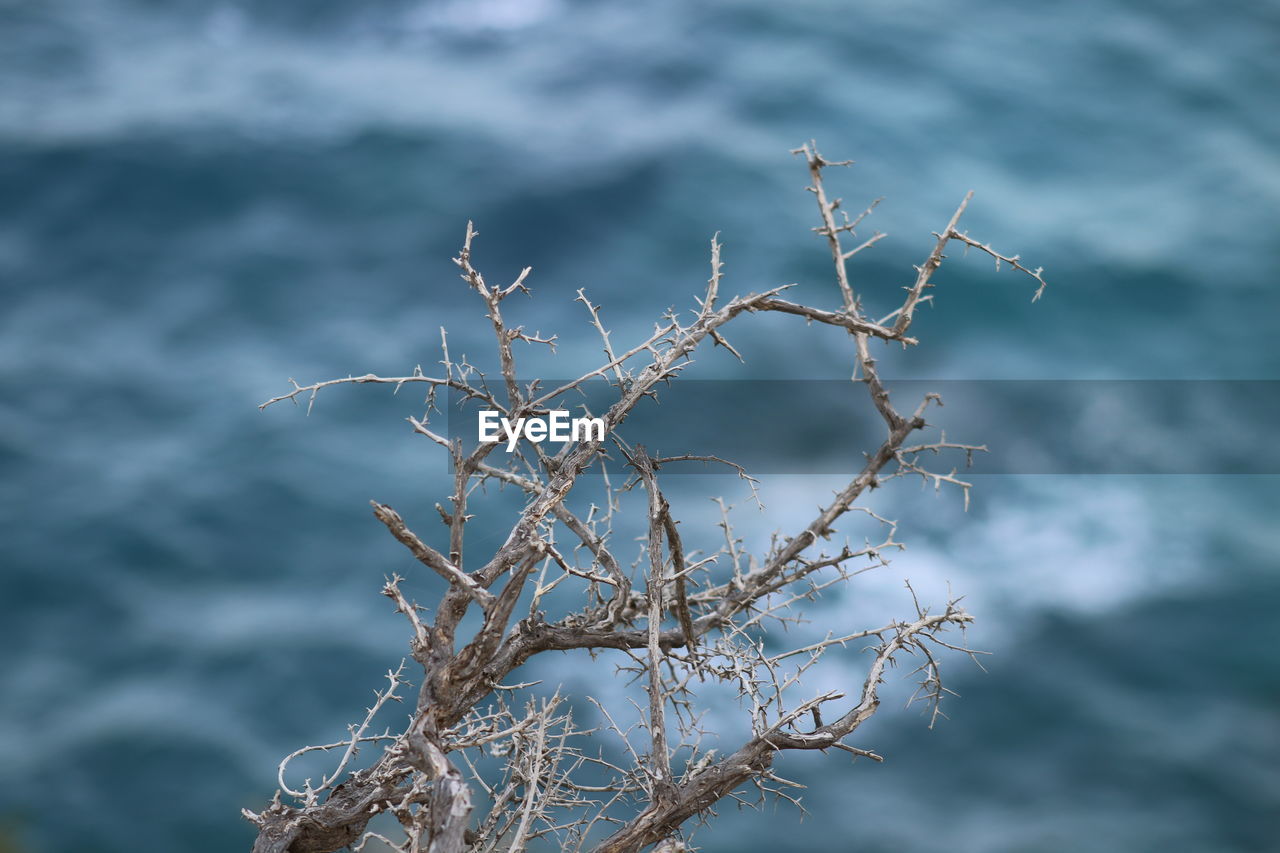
(200, 199)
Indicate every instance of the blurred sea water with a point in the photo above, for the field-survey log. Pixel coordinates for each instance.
(199, 200)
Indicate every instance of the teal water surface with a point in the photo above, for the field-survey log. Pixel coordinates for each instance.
(201, 199)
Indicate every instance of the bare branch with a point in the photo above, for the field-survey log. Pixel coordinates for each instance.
(430, 557)
(538, 778)
(1011, 260)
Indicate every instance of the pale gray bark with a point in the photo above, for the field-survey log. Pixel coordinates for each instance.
(675, 638)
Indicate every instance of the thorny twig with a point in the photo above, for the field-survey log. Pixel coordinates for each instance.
(697, 629)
